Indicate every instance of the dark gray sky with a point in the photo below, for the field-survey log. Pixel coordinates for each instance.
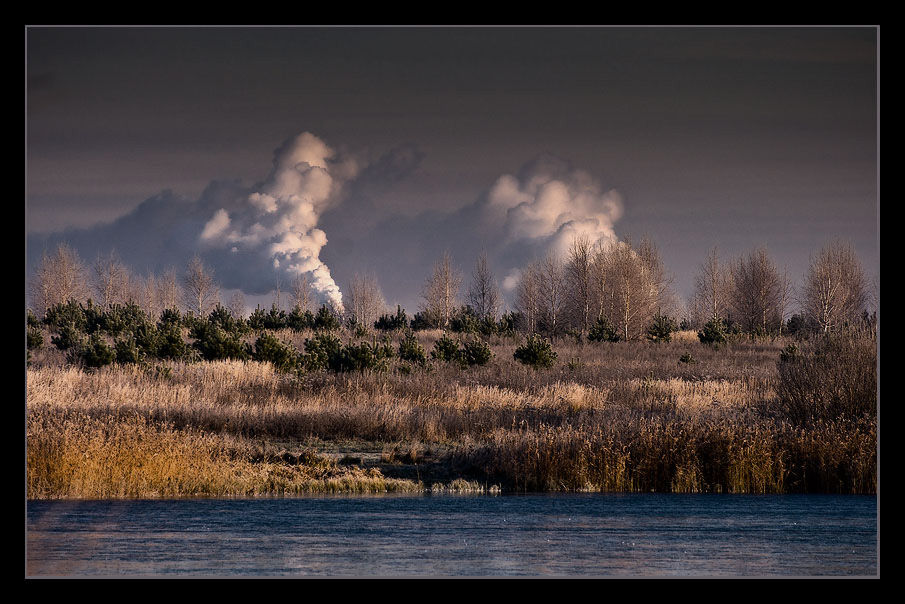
(735, 137)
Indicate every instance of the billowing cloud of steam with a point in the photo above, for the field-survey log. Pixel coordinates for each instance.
(254, 236)
(549, 204)
(523, 216)
(279, 221)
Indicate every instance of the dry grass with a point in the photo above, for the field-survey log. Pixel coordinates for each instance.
(630, 417)
(74, 455)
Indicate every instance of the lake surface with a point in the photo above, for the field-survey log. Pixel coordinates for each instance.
(549, 535)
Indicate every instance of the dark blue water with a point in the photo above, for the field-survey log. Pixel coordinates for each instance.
(551, 535)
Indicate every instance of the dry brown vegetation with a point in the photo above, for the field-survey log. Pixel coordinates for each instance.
(625, 416)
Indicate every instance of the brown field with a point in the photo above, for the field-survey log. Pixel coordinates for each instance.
(627, 416)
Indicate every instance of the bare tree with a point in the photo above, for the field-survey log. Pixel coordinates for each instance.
(786, 293)
(365, 303)
(201, 291)
(300, 293)
(145, 294)
(757, 293)
(552, 287)
(602, 293)
(236, 305)
(835, 288)
(657, 284)
(630, 290)
(527, 297)
(169, 291)
(483, 293)
(111, 280)
(278, 301)
(711, 290)
(441, 290)
(59, 278)
(580, 279)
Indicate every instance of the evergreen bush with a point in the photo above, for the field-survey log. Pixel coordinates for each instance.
(215, 344)
(714, 332)
(445, 349)
(475, 352)
(536, 352)
(269, 349)
(410, 349)
(392, 322)
(34, 339)
(662, 328)
(95, 352)
(319, 350)
(326, 320)
(602, 331)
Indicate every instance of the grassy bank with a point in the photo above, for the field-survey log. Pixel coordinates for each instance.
(616, 417)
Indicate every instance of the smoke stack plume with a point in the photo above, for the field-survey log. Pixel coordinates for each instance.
(280, 220)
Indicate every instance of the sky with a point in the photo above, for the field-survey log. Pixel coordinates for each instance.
(273, 152)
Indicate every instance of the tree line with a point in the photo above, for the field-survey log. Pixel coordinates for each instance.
(603, 291)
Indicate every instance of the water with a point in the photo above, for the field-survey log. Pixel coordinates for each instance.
(550, 535)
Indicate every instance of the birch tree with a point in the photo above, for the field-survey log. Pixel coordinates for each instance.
(483, 293)
(59, 278)
(111, 280)
(365, 303)
(441, 291)
(580, 281)
(757, 293)
(527, 297)
(201, 293)
(552, 288)
(835, 288)
(711, 290)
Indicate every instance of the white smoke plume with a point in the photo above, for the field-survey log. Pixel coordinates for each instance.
(552, 206)
(280, 220)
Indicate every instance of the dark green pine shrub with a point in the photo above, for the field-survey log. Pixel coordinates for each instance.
(269, 349)
(465, 320)
(121, 318)
(222, 317)
(445, 349)
(69, 337)
(34, 338)
(95, 352)
(359, 330)
(170, 316)
(70, 313)
(326, 320)
(168, 343)
(475, 352)
(31, 320)
(424, 320)
(714, 332)
(361, 357)
(662, 328)
(506, 326)
(299, 319)
(602, 331)
(127, 350)
(215, 344)
(392, 322)
(536, 352)
(410, 349)
(319, 350)
(275, 318)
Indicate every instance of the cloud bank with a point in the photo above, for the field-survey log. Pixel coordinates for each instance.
(319, 213)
